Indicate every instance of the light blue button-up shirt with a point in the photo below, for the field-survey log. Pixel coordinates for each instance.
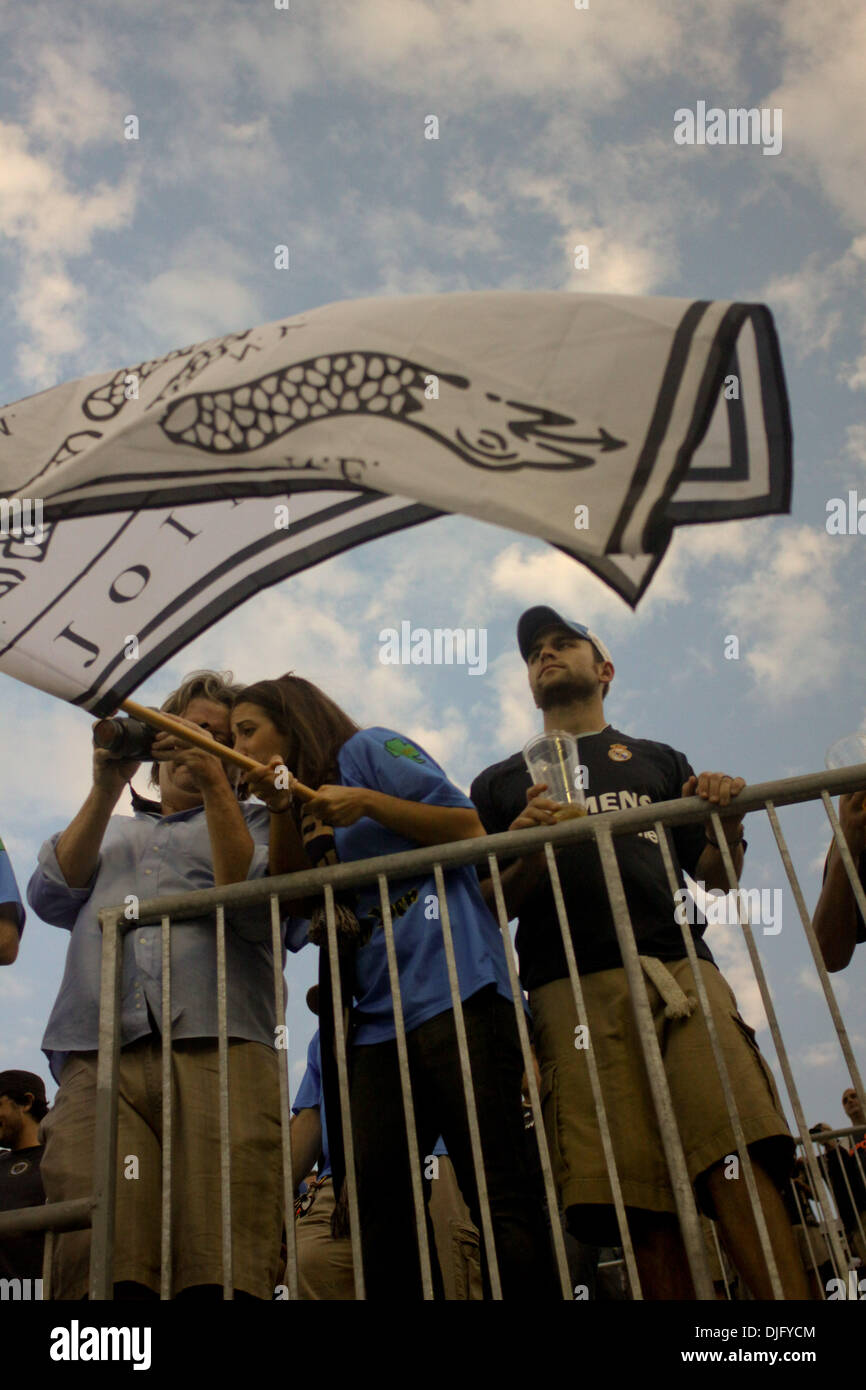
(150, 855)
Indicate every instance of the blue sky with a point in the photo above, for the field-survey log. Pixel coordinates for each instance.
(305, 127)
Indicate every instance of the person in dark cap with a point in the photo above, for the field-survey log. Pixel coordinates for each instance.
(22, 1106)
(570, 672)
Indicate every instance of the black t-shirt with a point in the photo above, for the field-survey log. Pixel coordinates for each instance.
(861, 871)
(621, 772)
(839, 1163)
(21, 1186)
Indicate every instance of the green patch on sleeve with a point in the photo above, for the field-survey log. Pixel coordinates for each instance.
(399, 748)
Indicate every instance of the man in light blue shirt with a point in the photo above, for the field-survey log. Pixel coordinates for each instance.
(195, 836)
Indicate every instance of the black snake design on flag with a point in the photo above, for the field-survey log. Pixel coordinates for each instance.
(249, 416)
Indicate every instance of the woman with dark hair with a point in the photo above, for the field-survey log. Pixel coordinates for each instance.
(382, 794)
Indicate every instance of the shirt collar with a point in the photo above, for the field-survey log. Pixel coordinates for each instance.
(144, 806)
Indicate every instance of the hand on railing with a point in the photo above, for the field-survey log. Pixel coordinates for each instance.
(719, 789)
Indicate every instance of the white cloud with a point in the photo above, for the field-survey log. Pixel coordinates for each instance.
(191, 304)
(855, 443)
(823, 99)
(47, 222)
(514, 716)
(814, 301)
(791, 590)
(14, 986)
(732, 957)
(527, 572)
(297, 628)
(69, 105)
(500, 47)
(809, 982)
(819, 1056)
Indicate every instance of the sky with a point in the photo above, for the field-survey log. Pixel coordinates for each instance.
(305, 126)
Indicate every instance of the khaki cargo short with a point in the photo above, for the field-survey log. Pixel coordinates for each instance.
(696, 1093)
(256, 1167)
(325, 1264)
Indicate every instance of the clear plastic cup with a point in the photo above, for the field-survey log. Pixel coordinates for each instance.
(552, 758)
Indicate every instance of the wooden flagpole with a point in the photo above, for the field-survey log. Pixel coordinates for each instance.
(200, 739)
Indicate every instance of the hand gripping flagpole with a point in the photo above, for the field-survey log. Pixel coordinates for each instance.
(199, 739)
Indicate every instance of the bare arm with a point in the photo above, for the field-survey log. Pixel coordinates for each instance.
(77, 850)
(232, 845)
(428, 825)
(306, 1144)
(719, 790)
(286, 853)
(8, 934)
(522, 877)
(835, 919)
(710, 868)
(418, 820)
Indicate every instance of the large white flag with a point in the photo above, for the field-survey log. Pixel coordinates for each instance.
(151, 500)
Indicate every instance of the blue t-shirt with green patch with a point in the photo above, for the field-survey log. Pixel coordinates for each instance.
(9, 894)
(385, 761)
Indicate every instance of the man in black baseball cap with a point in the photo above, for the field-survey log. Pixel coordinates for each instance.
(570, 672)
(22, 1106)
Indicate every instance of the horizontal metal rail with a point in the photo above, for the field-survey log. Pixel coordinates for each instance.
(229, 901)
(686, 810)
(74, 1215)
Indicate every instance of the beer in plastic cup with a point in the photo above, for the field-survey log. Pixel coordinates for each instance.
(552, 758)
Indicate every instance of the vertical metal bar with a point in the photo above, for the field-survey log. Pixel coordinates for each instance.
(860, 899)
(406, 1088)
(105, 1122)
(345, 1106)
(285, 1115)
(680, 1182)
(721, 1259)
(594, 1078)
(468, 1091)
(47, 1262)
(858, 1161)
(724, 1078)
(827, 1216)
(823, 975)
(854, 1207)
(829, 1210)
(225, 1127)
(772, 1020)
(165, 1269)
(534, 1098)
(807, 1238)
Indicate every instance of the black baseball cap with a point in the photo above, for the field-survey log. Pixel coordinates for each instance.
(535, 620)
(19, 1081)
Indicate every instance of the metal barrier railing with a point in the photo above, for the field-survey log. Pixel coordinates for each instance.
(826, 1233)
(279, 893)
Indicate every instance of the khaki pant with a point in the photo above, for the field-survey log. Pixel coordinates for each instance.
(698, 1101)
(457, 1240)
(256, 1168)
(325, 1264)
